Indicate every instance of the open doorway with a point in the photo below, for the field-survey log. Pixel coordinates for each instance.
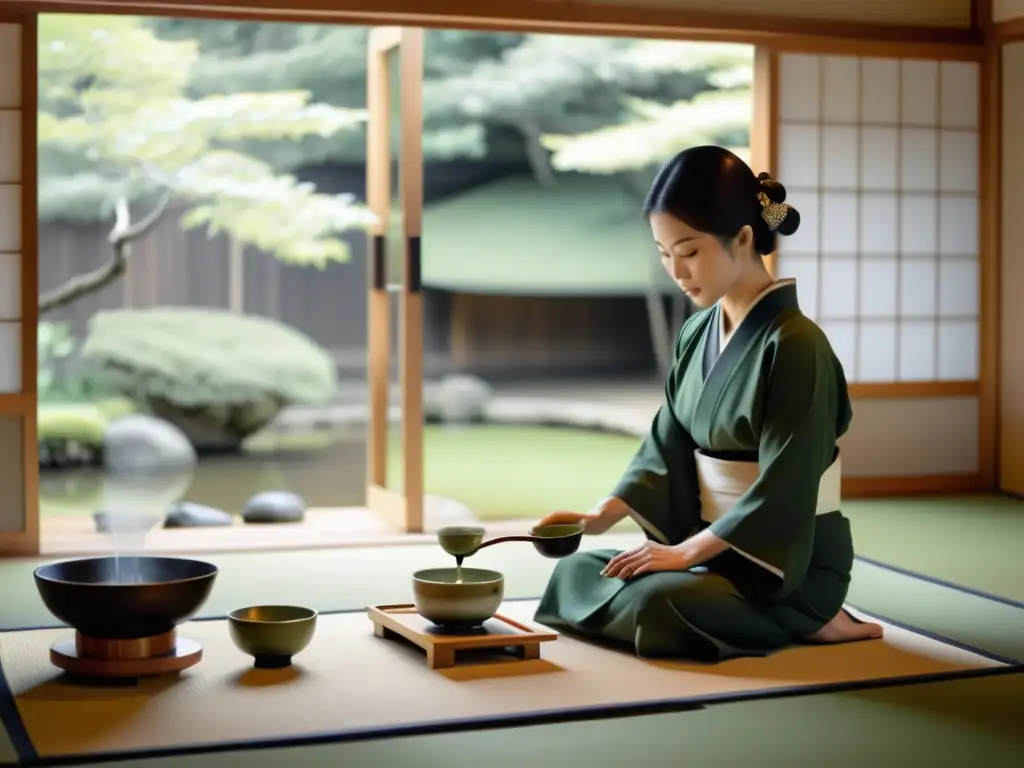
(240, 357)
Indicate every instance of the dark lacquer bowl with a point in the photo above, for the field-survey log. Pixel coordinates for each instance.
(125, 598)
(557, 541)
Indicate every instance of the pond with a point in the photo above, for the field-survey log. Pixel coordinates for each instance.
(500, 472)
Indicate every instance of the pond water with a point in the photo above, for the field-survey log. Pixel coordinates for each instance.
(330, 475)
(500, 472)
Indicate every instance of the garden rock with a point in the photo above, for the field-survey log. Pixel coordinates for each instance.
(188, 515)
(143, 445)
(460, 399)
(125, 522)
(274, 507)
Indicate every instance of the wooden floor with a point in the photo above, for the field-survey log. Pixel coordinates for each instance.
(321, 529)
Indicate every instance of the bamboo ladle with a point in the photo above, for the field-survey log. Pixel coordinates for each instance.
(554, 541)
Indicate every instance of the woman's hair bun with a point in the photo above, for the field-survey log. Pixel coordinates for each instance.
(773, 189)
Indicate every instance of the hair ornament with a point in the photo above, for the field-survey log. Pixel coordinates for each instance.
(772, 213)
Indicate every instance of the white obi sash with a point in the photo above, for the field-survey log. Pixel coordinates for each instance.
(723, 482)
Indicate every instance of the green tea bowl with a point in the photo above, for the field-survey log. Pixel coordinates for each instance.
(272, 634)
(459, 540)
(457, 600)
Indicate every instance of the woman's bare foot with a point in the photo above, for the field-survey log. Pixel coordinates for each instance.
(844, 629)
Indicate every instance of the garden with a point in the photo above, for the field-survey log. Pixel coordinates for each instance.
(208, 412)
(248, 425)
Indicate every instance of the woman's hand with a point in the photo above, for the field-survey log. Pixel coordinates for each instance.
(647, 558)
(592, 523)
(600, 518)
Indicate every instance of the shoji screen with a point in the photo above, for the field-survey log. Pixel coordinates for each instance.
(881, 156)
(1011, 305)
(17, 410)
(10, 209)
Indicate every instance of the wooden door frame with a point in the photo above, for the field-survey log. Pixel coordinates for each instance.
(618, 19)
(403, 508)
(23, 405)
(769, 33)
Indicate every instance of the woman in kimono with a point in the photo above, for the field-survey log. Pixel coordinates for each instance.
(737, 484)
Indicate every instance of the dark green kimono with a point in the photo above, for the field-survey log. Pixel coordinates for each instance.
(775, 395)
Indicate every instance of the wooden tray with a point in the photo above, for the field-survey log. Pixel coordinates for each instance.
(502, 632)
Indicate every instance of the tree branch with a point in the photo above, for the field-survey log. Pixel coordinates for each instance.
(144, 227)
(120, 238)
(535, 153)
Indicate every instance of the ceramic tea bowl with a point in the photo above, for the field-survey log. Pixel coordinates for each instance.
(457, 599)
(272, 634)
(460, 539)
(557, 540)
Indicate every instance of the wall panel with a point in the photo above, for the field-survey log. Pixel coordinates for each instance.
(1011, 323)
(881, 157)
(941, 13)
(1007, 10)
(903, 438)
(10, 208)
(12, 473)
(18, 517)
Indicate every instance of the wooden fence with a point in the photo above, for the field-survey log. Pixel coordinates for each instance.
(174, 267)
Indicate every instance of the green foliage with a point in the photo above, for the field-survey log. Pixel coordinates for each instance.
(716, 117)
(649, 132)
(486, 95)
(114, 112)
(60, 379)
(54, 344)
(113, 408)
(560, 81)
(329, 62)
(202, 358)
(81, 423)
(477, 85)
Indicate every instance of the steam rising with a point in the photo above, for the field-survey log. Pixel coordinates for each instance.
(133, 507)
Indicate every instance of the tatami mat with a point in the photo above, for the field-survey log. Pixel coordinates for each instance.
(347, 579)
(967, 723)
(350, 683)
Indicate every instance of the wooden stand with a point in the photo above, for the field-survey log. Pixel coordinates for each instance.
(144, 657)
(499, 632)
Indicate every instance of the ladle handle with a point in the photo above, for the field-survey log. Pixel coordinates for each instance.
(503, 539)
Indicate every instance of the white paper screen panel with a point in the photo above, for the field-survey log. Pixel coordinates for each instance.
(1007, 10)
(10, 208)
(881, 158)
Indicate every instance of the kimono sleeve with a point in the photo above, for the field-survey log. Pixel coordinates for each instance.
(660, 483)
(804, 410)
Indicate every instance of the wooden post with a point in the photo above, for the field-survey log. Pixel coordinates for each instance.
(236, 276)
(378, 193)
(763, 144)
(411, 318)
(404, 508)
(19, 296)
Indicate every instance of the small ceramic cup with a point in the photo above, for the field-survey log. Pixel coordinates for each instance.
(459, 540)
(272, 634)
